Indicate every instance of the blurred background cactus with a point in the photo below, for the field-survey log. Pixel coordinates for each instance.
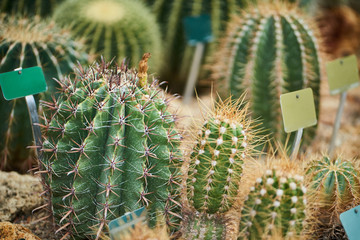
(114, 29)
(110, 147)
(178, 55)
(43, 8)
(270, 50)
(28, 42)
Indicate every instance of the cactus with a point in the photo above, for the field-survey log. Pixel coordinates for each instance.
(110, 147)
(269, 51)
(224, 142)
(275, 206)
(336, 184)
(113, 28)
(29, 7)
(27, 43)
(170, 14)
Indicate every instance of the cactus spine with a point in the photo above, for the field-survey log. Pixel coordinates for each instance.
(113, 28)
(269, 51)
(222, 145)
(336, 184)
(110, 147)
(29, 7)
(27, 43)
(178, 55)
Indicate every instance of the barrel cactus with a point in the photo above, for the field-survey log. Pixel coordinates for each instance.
(170, 15)
(27, 43)
(113, 28)
(270, 50)
(110, 147)
(275, 206)
(29, 7)
(336, 184)
(224, 142)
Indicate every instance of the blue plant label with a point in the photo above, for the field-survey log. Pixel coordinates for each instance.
(122, 224)
(22, 82)
(351, 223)
(198, 29)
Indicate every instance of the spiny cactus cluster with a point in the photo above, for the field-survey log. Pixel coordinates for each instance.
(336, 183)
(28, 42)
(110, 147)
(29, 7)
(113, 28)
(170, 15)
(270, 50)
(275, 206)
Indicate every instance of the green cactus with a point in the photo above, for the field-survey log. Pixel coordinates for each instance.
(27, 43)
(275, 206)
(113, 28)
(170, 14)
(29, 7)
(336, 184)
(110, 147)
(269, 51)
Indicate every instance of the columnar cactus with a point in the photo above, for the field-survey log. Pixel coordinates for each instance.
(113, 28)
(170, 15)
(27, 43)
(270, 50)
(110, 147)
(336, 184)
(224, 142)
(29, 7)
(275, 206)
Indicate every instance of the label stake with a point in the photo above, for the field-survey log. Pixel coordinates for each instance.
(296, 145)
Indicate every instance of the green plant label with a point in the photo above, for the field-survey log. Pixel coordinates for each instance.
(198, 29)
(351, 223)
(298, 110)
(22, 82)
(343, 74)
(122, 224)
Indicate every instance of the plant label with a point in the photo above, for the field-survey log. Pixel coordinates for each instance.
(351, 223)
(122, 224)
(298, 110)
(198, 29)
(343, 74)
(22, 82)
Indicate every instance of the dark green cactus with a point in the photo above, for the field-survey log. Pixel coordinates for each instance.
(29, 7)
(170, 14)
(27, 43)
(274, 207)
(113, 29)
(336, 184)
(269, 51)
(110, 147)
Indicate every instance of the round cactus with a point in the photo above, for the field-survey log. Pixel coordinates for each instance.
(275, 206)
(27, 43)
(270, 50)
(110, 147)
(336, 184)
(170, 15)
(29, 7)
(113, 28)
(215, 170)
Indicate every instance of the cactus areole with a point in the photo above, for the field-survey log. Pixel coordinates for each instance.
(109, 147)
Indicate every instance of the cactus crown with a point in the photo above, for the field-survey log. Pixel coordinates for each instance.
(270, 50)
(336, 184)
(223, 143)
(110, 147)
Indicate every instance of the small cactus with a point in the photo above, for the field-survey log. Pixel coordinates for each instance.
(336, 184)
(113, 28)
(28, 42)
(270, 50)
(41, 8)
(110, 147)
